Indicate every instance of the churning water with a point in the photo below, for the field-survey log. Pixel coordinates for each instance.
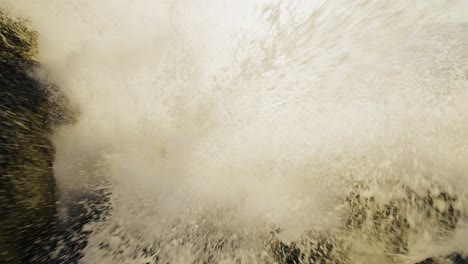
(263, 131)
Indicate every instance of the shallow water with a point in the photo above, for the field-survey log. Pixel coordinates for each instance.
(227, 132)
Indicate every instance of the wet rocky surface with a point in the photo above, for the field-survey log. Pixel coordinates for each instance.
(455, 258)
(27, 115)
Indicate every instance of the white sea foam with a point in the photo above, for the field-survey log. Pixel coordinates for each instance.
(222, 120)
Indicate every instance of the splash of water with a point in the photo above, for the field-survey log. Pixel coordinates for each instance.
(226, 130)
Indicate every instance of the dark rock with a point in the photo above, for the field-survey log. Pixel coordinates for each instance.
(455, 258)
(27, 186)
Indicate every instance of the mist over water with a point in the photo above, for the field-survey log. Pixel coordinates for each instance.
(218, 127)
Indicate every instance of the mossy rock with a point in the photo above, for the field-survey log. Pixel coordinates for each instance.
(27, 186)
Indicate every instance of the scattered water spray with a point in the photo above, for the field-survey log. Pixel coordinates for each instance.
(263, 131)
